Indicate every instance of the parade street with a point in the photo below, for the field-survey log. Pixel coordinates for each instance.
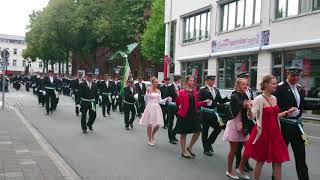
(111, 152)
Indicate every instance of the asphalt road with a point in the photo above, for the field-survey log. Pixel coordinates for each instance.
(111, 152)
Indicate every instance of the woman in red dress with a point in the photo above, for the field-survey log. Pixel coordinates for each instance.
(266, 143)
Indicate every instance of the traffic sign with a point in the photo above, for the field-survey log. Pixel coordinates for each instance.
(5, 54)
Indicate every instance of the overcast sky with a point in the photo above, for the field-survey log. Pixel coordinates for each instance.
(14, 15)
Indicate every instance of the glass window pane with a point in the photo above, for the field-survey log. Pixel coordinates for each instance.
(232, 15)
(316, 4)
(225, 18)
(197, 28)
(257, 12)
(249, 12)
(208, 24)
(186, 29)
(282, 9)
(293, 7)
(191, 28)
(240, 13)
(277, 73)
(306, 6)
(203, 24)
(277, 58)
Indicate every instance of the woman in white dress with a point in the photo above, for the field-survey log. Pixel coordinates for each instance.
(152, 115)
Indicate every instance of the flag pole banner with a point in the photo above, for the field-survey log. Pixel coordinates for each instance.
(125, 77)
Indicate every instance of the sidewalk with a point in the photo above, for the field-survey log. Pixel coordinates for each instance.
(21, 156)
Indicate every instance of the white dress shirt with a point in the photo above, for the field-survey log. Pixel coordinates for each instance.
(296, 94)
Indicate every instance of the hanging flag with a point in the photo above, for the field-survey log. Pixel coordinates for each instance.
(125, 77)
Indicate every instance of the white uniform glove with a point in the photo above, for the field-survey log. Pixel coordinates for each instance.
(113, 97)
(100, 97)
(294, 113)
(169, 99)
(44, 93)
(136, 96)
(117, 97)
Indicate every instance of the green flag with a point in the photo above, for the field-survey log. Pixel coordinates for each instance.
(125, 77)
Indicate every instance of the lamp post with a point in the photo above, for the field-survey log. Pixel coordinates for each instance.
(166, 59)
(5, 56)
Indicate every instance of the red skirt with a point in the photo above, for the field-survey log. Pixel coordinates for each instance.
(270, 146)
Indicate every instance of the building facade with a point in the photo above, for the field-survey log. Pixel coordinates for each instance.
(224, 37)
(17, 64)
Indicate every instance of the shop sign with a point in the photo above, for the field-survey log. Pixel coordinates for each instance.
(259, 39)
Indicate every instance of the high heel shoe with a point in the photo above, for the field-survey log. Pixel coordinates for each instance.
(231, 176)
(184, 156)
(192, 154)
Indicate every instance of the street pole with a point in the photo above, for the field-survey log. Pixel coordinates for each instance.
(3, 81)
(166, 65)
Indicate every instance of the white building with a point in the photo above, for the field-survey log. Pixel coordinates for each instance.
(223, 37)
(17, 64)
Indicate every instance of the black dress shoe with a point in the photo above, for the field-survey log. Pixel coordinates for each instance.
(131, 125)
(248, 167)
(84, 131)
(173, 142)
(208, 153)
(127, 128)
(211, 149)
(176, 139)
(104, 116)
(47, 113)
(77, 114)
(90, 127)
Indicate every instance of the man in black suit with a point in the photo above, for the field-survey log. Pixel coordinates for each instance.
(75, 85)
(290, 94)
(248, 125)
(89, 96)
(129, 104)
(106, 91)
(141, 89)
(164, 94)
(49, 85)
(210, 119)
(173, 89)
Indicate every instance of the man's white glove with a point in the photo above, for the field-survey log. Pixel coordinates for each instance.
(44, 93)
(117, 97)
(100, 98)
(136, 96)
(113, 97)
(169, 99)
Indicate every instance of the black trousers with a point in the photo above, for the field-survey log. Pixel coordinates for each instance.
(50, 99)
(172, 111)
(119, 103)
(141, 106)
(292, 135)
(85, 108)
(209, 120)
(105, 103)
(165, 114)
(27, 87)
(77, 101)
(129, 108)
(41, 98)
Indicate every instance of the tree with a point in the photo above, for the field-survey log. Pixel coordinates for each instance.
(153, 39)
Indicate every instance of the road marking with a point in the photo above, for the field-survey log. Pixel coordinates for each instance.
(314, 137)
(67, 172)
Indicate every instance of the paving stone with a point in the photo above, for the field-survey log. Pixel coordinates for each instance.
(13, 174)
(5, 142)
(22, 151)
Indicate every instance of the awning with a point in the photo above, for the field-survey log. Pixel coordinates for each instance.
(122, 54)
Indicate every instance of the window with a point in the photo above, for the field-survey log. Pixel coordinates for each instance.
(231, 66)
(15, 52)
(198, 69)
(316, 4)
(240, 13)
(40, 65)
(196, 27)
(309, 61)
(287, 8)
(14, 63)
(24, 64)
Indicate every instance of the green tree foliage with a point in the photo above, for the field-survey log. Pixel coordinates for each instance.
(82, 26)
(153, 39)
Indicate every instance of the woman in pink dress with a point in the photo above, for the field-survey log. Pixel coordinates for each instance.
(152, 115)
(266, 143)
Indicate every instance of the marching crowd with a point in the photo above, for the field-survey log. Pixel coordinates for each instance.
(259, 128)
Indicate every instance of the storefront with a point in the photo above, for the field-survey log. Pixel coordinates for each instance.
(306, 59)
(229, 67)
(198, 69)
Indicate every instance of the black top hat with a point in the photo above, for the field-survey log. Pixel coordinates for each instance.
(243, 74)
(294, 70)
(139, 77)
(211, 77)
(166, 79)
(176, 77)
(50, 71)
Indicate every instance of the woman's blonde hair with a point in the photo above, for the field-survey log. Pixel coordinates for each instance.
(187, 78)
(265, 80)
(237, 83)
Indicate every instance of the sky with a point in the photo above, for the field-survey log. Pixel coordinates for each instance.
(14, 15)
